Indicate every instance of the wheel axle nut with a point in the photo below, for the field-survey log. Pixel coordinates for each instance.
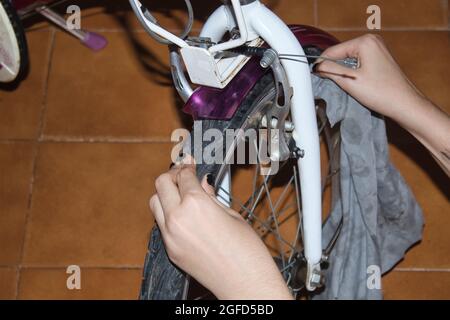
(299, 153)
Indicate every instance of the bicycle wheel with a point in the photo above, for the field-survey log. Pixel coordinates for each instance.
(13, 45)
(270, 203)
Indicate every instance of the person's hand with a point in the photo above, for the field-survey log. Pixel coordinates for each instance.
(380, 85)
(212, 243)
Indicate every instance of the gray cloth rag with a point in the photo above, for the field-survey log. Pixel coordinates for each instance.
(381, 218)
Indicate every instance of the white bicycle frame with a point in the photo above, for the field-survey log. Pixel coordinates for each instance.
(254, 21)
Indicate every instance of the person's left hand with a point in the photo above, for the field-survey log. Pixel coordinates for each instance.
(212, 243)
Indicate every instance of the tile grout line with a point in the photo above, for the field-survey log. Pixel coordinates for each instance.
(446, 14)
(155, 140)
(389, 29)
(119, 30)
(35, 156)
(12, 141)
(38, 29)
(133, 266)
(138, 267)
(54, 267)
(42, 114)
(421, 270)
(393, 29)
(44, 100)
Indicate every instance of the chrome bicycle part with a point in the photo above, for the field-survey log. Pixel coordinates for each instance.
(200, 42)
(142, 13)
(180, 82)
(279, 108)
(349, 62)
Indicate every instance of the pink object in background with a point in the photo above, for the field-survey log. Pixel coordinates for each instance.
(94, 41)
(91, 40)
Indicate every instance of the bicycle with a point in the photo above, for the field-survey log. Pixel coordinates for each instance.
(253, 71)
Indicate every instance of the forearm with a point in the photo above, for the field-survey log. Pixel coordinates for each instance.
(381, 85)
(262, 281)
(267, 290)
(428, 124)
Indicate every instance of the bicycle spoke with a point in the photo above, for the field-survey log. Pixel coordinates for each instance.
(322, 128)
(281, 213)
(243, 207)
(280, 198)
(261, 188)
(290, 264)
(328, 178)
(268, 228)
(260, 193)
(265, 233)
(283, 193)
(255, 178)
(259, 220)
(330, 174)
(258, 198)
(294, 243)
(277, 228)
(285, 209)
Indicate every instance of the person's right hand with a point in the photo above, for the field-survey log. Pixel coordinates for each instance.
(211, 242)
(379, 83)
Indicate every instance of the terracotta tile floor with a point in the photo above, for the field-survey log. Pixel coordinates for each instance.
(84, 136)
